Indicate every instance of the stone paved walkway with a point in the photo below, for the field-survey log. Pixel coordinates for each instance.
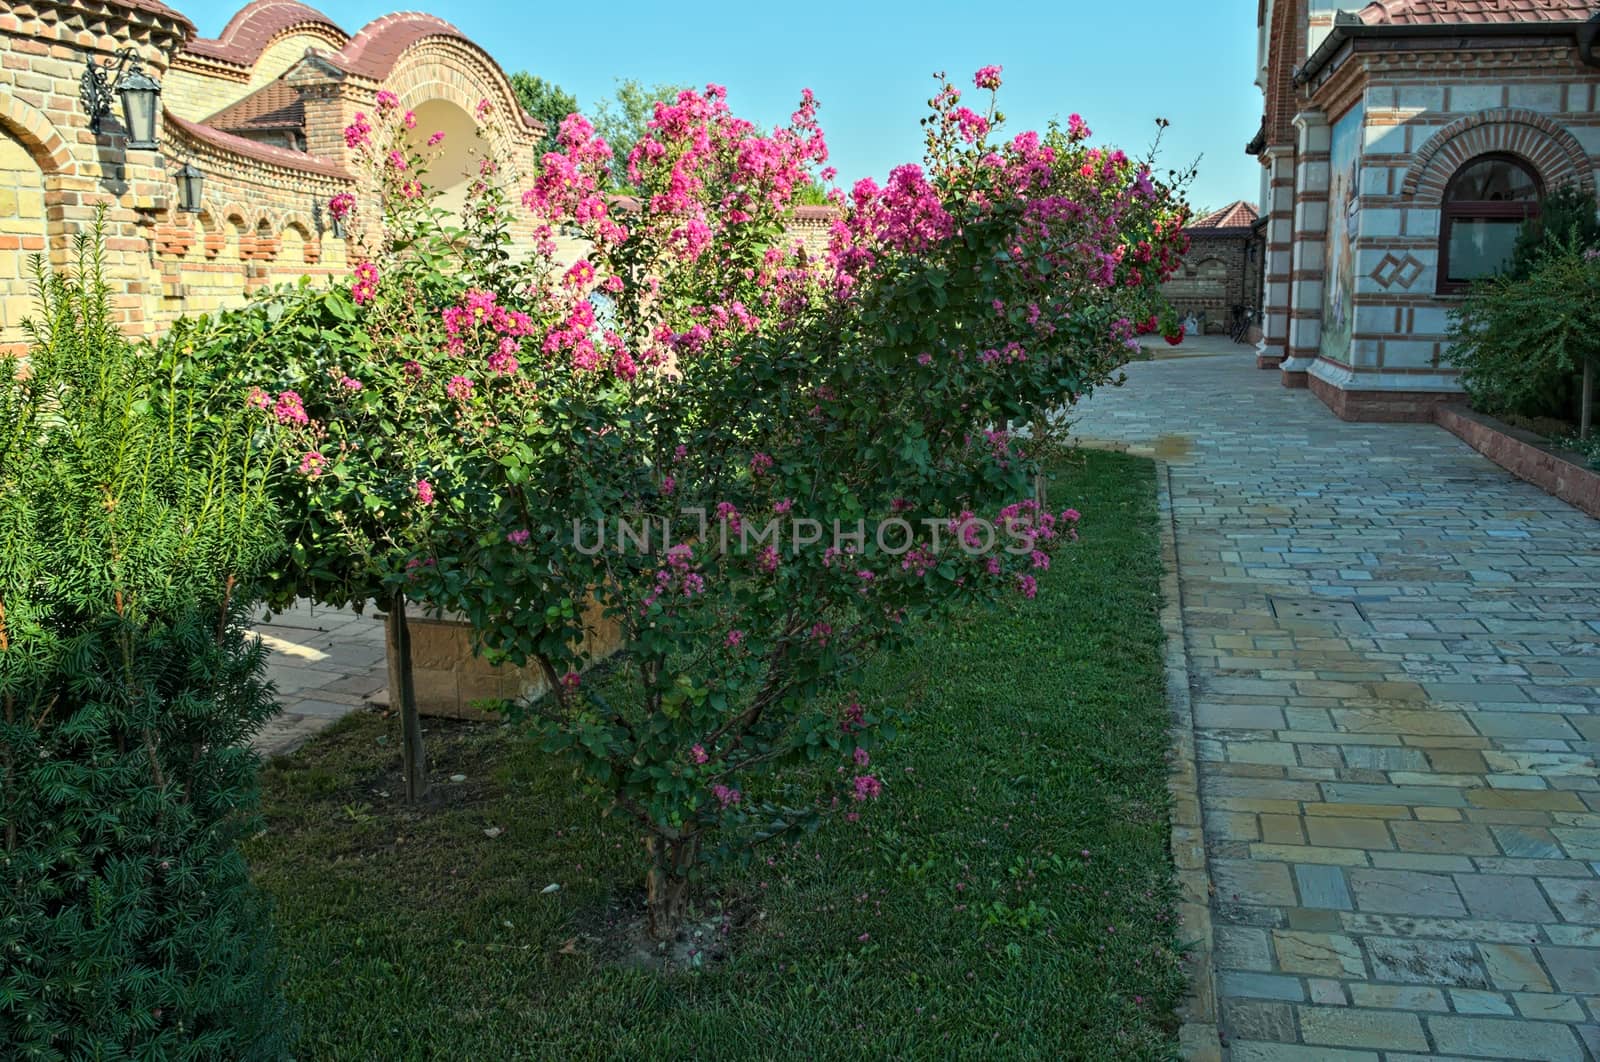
(1394, 659)
(325, 663)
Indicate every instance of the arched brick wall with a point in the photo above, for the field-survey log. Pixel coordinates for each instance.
(35, 132)
(1551, 150)
(442, 68)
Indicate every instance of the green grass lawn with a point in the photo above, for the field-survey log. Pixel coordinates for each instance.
(1009, 896)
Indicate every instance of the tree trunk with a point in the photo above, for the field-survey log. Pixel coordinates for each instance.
(1586, 403)
(667, 884)
(403, 698)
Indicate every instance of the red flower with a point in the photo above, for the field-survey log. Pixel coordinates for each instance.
(1174, 340)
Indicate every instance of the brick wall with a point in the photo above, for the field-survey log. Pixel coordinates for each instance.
(44, 47)
(21, 236)
(258, 224)
(1422, 125)
(1217, 274)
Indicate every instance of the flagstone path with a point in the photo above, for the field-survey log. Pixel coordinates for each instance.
(325, 663)
(1393, 651)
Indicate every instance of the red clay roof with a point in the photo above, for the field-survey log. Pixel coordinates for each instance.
(1236, 215)
(374, 50)
(275, 105)
(1436, 12)
(253, 28)
(277, 156)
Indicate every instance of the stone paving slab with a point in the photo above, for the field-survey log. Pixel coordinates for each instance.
(1393, 656)
(324, 663)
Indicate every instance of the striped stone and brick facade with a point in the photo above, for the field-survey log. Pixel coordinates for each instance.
(1370, 112)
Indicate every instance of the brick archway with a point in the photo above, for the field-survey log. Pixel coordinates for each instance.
(37, 134)
(32, 156)
(1552, 151)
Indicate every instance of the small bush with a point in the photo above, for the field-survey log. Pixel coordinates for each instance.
(1520, 341)
(129, 686)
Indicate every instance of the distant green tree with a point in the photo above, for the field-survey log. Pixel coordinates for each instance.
(812, 193)
(625, 118)
(545, 100)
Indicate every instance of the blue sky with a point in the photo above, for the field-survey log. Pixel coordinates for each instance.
(1119, 64)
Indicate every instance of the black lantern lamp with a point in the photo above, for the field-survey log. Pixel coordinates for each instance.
(139, 91)
(191, 183)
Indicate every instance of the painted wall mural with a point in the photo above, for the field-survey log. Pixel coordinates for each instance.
(1338, 287)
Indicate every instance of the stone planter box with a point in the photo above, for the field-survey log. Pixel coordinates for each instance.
(449, 678)
(1524, 455)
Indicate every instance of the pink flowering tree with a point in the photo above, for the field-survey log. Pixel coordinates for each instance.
(767, 463)
(764, 462)
(359, 385)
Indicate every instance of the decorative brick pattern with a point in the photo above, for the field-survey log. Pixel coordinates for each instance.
(1553, 151)
(1403, 271)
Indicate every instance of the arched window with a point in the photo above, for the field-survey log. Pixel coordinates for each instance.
(1485, 206)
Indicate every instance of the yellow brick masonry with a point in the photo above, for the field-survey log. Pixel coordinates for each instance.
(259, 224)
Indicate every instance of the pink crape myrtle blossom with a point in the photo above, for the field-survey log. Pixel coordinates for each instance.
(697, 356)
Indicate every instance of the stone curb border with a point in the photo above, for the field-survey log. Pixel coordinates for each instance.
(1519, 453)
(1198, 1038)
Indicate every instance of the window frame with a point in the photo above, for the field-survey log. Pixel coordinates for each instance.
(1482, 209)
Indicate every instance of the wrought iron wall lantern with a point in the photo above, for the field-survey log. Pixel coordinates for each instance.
(138, 90)
(191, 183)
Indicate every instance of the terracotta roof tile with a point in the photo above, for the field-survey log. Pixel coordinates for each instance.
(1437, 12)
(373, 51)
(277, 156)
(249, 32)
(1236, 215)
(275, 105)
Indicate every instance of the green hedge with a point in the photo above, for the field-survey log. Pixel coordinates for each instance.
(133, 525)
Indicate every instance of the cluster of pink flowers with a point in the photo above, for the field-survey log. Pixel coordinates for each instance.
(726, 795)
(358, 134)
(987, 77)
(571, 182)
(680, 578)
(312, 464)
(290, 410)
(342, 205)
(479, 320)
(867, 788)
(365, 286)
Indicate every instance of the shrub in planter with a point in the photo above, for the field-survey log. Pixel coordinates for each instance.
(356, 379)
(134, 524)
(812, 453)
(1520, 340)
